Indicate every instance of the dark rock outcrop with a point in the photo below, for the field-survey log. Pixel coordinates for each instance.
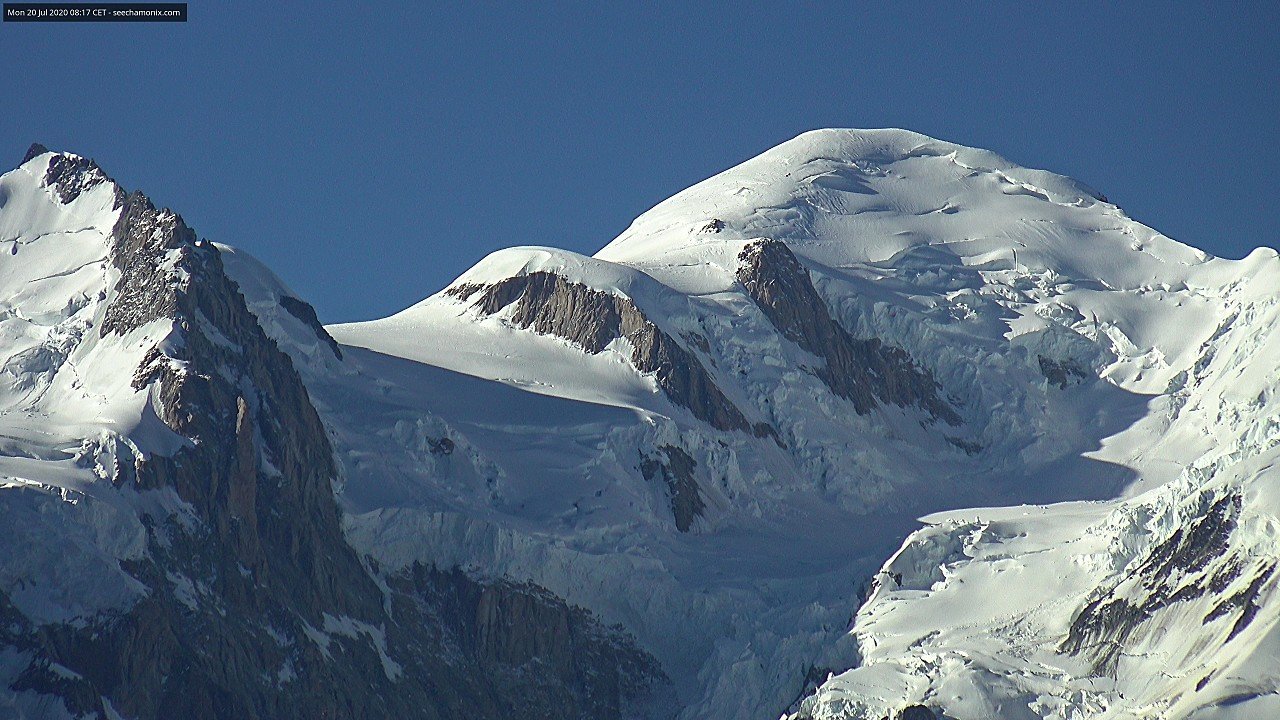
(464, 291)
(676, 467)
(35, 151)
(304, 312)
(1185, 566)
(1061, 372)
(863, 372)
(257, 607)
(565, 663)
(916, 712)
(71, 175)
(591, 319)
(1244, 601)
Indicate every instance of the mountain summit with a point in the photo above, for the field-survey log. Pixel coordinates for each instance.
(712, 471)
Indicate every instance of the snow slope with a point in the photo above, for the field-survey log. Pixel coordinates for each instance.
(1157, 605)
(713, 433)
(173, 544)
(67, 406)
(1091, 361)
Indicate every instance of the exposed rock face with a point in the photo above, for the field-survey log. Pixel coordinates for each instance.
(1061, 373)
(307, 314)
(591, 319)
(146, 238)
(676, 467)
(917, 712)
(259, 608)
(1244, 601)
(35, 151)
(71, 175)
(1179, 569)
(564, 662)
(861, 371)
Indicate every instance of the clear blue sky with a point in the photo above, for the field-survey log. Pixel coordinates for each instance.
(371, 153)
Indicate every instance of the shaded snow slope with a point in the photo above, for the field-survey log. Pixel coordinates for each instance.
(1159, 605)
(173, 544)
(67, 404)
(712, 434)
(1084, 356)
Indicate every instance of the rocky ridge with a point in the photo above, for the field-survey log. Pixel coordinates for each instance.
(252, 603)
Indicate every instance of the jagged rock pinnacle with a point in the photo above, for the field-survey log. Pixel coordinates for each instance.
(36, 150)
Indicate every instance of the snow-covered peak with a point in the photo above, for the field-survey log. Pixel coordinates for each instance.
(51, 192)
(67, 175)
(845, 198)
(283, 315)
(69, 413)
(896, 219)
(846, 159)
(592, 272)
(917, 325)
(754, 393)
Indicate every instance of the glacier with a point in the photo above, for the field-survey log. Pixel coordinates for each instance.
(1058, 425)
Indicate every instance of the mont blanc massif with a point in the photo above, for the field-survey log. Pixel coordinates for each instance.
(869, 426)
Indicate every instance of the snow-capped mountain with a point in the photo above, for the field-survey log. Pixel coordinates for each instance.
(173, 546)
(660, 481)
